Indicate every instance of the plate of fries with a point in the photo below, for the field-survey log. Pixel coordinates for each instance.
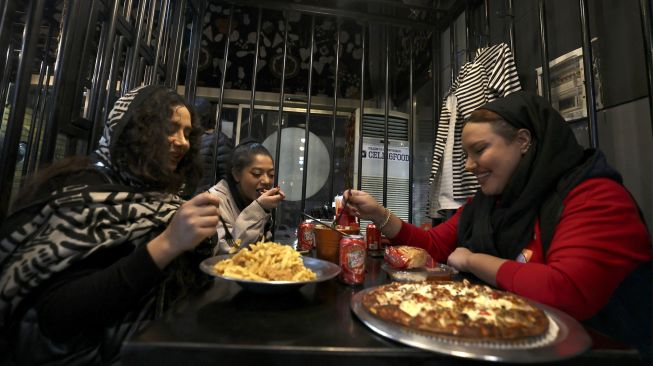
(267, 267)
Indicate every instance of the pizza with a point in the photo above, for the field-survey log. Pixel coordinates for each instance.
(457, 309)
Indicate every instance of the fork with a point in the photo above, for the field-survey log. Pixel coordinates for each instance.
(231, 242)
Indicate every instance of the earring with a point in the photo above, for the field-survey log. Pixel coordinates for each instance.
(527, 148)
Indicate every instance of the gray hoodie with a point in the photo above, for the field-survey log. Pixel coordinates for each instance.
(246, 225)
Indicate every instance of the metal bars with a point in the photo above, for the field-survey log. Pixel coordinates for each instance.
(131, 61)
(511, 29)
(7, 11)
(218, 122)
(362, 108)
(177, 32)
(19, 101)
(487, 22)
(590, 97)
(62, 93)
(647, 36)
(335, 109)
(307, 123)
(37, 121)
(194, 52)
(411, 133)
(99, 89)
(254, 71)
(6, 78)
(163, 26)
(546, 89)
(332, 11)
(281, 90)
(385, 116)
(66, 73)
(468, 36)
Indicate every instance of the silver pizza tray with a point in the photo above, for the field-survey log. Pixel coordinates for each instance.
(566, 338)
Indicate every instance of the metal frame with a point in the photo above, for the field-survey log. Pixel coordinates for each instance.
(335, 109)
(385, 116)
(65, 87)
(589, 74)
(307, 124)
(19, 101)
(61, 100)
(468, 36)
(362, 107)
(255, 70)
(325, 10)
(486, 5)
(511, 30)
(453, 50)
(411, 135)
(177, 32)
(37, 121)
(281, 91)
(334, 104)
(546, 88)
(190, 89)
(218, 121)
(5, 80)
(164, 15)
(98, 90)
(6, 15)
(647, 36)
(66, 73)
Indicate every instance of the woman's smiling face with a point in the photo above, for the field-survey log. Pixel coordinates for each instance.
(256, 177)
(491, 157)
(178, 136)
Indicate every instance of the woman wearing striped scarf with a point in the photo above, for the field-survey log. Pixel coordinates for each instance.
(101, 244)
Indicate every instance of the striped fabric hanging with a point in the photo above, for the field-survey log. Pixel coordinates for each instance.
(491, 75)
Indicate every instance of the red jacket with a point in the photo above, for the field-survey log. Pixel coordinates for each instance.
(599, 239)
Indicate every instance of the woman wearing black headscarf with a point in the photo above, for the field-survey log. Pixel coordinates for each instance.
(551, 221)
(99, 245)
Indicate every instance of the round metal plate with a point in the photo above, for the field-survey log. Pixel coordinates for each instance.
(569, 341)
(323, 270)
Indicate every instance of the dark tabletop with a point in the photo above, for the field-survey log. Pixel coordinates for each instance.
(313, 325)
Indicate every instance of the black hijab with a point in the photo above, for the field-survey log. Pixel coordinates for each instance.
(553, 165)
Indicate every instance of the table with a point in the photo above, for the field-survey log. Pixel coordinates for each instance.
(224, 325)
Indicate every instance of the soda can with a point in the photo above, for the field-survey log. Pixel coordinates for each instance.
(306, 235)
(352, 259)
(373, 238)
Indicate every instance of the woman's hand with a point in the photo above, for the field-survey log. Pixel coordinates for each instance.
(193, 222)
(483, 266)
(459, 259)
(270, 199)
(364, 206)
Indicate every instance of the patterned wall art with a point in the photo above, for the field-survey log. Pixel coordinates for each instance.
(243, 46)
(270, 65)
(422, 50)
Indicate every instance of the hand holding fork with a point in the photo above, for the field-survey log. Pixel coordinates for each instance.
(231, 242)
(228, 237)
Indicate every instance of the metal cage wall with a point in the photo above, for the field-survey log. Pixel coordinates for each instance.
(61, 74)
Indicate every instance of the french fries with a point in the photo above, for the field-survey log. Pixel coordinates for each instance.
(266, 261)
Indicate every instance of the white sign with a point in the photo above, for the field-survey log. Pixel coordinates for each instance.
(398, 158)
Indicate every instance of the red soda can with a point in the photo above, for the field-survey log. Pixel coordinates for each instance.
(373, 238)
(352, 259)
(306, 235)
